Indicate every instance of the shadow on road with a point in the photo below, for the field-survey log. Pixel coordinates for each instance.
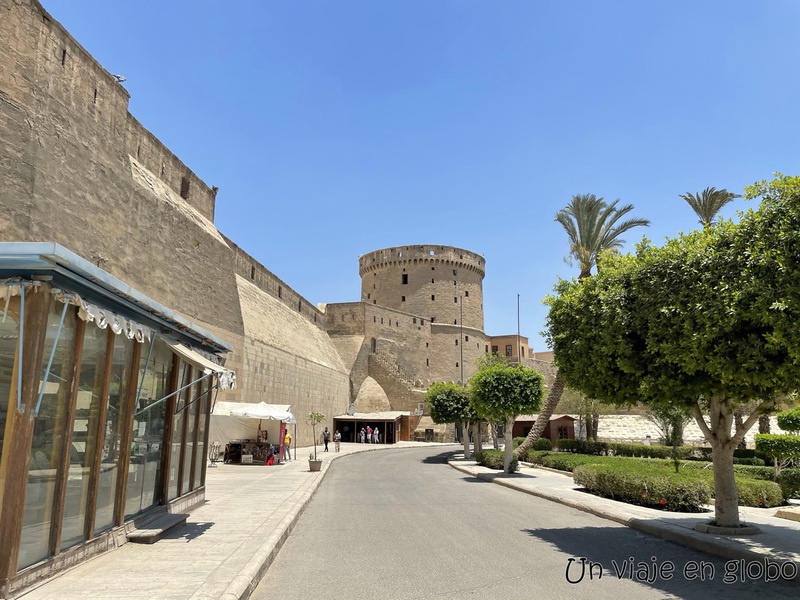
(686, 574)
(438, 459)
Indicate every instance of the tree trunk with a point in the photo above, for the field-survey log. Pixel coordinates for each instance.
(508, 453)
(477, 442)
(737, 415)
(763, 424)
(718, 435)
(493, 430)
(595, 420)
(553, 397)
(726, 501)
(465, 438)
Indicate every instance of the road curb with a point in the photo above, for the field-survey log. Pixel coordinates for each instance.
(708, 543)
(253, 572)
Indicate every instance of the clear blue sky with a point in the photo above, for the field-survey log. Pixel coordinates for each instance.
(336, 128)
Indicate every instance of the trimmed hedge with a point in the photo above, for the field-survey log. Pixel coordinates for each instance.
(614, 449)
(656, 486)
(684, 492)
(758, 492)
(494, 459)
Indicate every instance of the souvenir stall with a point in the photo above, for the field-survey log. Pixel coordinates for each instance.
(250, 433)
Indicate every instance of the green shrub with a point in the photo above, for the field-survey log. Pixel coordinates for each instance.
(535, 456)
(789, 420)
(659, 488)
(758, 492)
(755, 462)
(494, 459)
(789, 480)
(744, 453)
(645, 451)
(543, 444)
(517, 441)
(567, 445)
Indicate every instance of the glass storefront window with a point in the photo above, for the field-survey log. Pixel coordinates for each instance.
(177, 433)
(84, 435)
(200, 455)
(9, 343)
(191, 425)
(48, 433)
(148, 430)
(109, 463)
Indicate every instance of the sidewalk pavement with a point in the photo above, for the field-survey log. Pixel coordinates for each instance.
(778, 541)
(229, 542)
(225, 547)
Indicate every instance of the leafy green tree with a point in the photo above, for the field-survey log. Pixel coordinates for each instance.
(502, 392)
(707, 321)
(314, 419)
(593, 227)
(450, 403)
(783, 448)
(708, 203)
(671, 420)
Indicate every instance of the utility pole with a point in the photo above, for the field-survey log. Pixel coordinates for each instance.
(461, 343)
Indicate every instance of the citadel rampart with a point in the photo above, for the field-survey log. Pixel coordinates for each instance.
(78, 169)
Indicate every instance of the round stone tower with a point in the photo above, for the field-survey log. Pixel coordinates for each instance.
(442, 285)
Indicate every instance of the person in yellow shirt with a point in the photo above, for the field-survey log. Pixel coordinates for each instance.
(287, 446)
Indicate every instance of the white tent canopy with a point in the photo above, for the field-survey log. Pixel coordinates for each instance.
(262, 410)
(241, 420)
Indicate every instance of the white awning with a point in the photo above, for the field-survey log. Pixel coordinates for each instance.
(261, 410)
(226, 377)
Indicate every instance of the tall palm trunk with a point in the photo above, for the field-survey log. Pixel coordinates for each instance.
(553, 397)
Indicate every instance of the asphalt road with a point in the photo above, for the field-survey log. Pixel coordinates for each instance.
(402, 524)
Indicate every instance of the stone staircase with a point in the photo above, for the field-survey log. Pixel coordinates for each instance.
(390, 364)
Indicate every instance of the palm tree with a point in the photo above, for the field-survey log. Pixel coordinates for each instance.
(592, 227)
(708, 203)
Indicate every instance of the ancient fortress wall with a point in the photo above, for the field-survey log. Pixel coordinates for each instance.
(69, 176)
(391, 346)
(442, 284)
(77, 169)
(249, 268)
(426, 281)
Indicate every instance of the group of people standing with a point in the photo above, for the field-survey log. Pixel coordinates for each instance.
(370, 436)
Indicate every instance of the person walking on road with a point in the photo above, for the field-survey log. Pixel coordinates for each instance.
(369, 434)
(337, 440)
(287, 446)
(376, 436)
(363, 435)
(326, 437)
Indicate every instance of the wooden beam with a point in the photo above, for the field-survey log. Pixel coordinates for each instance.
(207, 408)
(19, 432)
(94, 454)
(198, 389)
(66, 422)
(126, 423)
(169, 428)
(185, 394)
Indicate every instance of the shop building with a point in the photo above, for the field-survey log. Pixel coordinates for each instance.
(105, 398)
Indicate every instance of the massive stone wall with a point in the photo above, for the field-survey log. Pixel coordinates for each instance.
(286, 359)
(69, 175)
(439, 283)
(77, 169)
